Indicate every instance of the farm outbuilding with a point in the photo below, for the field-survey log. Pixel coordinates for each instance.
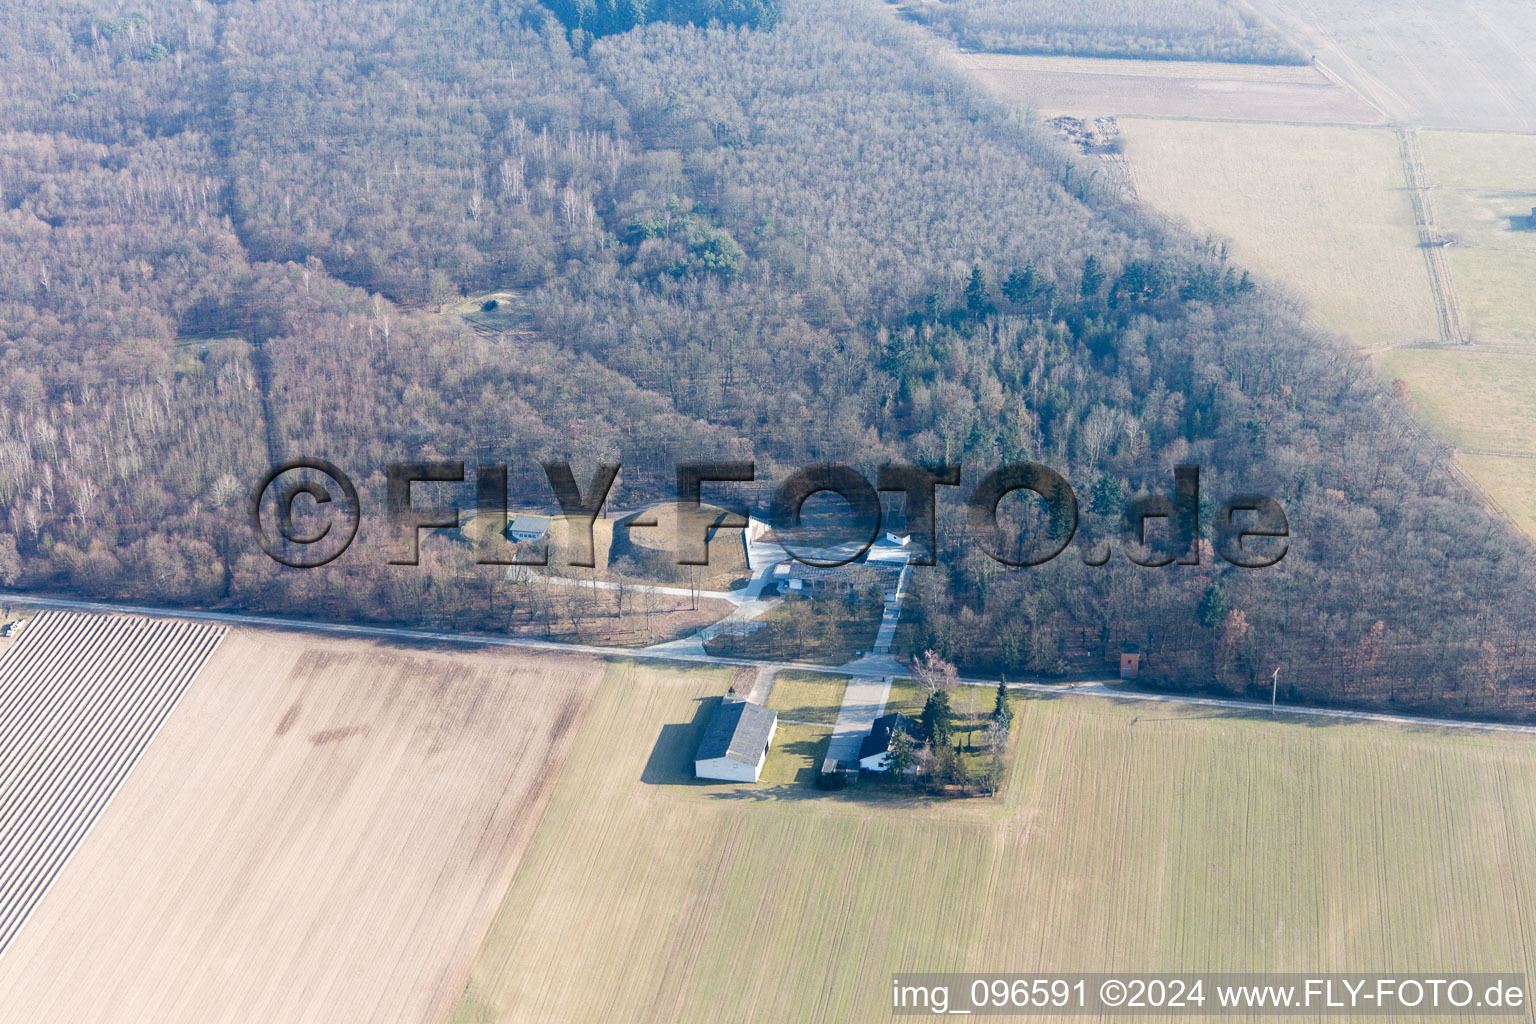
(735, 742)
(1130, 661)
(526, 528)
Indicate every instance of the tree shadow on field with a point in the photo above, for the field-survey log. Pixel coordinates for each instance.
(671, 760)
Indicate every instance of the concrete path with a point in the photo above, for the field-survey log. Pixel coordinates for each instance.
(762, 686)
(879, 661)
(746, 611)
(863, 702)
(891, 614)
(764, 551)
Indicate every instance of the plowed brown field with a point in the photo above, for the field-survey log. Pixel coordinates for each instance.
(320, 831)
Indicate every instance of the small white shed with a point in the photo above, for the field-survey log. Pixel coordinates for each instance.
(525, 528)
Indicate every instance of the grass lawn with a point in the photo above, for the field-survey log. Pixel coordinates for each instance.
(908, 698)
(1323, 211)
(1130, 836)
(796, 755)
(807, 696)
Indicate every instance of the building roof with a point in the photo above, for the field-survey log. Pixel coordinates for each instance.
(879, 739)
(528, 524)
(737, 730)
(853, 574)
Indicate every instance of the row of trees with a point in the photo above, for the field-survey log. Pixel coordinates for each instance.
(1144, 29)
(932, 757)
(604, 17)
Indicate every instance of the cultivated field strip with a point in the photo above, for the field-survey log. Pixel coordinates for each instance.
(1297, 74)
(80, 698)
(1090, 86)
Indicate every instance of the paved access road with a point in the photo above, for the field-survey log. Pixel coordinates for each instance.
(863, 702)
(862, 669)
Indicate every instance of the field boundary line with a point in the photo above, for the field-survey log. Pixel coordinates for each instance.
(1432, 241)
(1496, 452)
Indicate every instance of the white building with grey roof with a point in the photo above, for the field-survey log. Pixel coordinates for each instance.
(735, 742)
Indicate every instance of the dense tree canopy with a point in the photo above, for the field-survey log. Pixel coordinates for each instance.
(807, 244)
(604, 17)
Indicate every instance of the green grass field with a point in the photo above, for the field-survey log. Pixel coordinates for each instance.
(1133, 837)
(1321, 211)
(1485, 187)
(807, 696)
(1485, 397)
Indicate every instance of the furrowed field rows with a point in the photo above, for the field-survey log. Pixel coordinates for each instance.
(80, 697)
(1442, 63)
(321, 831)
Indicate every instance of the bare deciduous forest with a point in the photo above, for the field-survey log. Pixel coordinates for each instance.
(229, 232)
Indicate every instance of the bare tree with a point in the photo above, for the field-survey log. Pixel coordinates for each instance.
(934, 673)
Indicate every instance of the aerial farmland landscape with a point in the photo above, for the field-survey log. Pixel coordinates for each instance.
(767, 510)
